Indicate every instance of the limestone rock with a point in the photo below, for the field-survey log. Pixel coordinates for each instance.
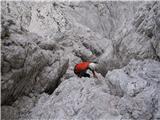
(137, 84)
(137, 38)
(9, 113)
(42, 41)
(78, 99)
(22, 61)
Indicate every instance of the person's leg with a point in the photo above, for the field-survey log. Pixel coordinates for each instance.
(84, 74)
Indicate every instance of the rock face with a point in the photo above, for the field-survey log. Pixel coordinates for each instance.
(138, 85)
(22, 61)
(42, 41)
(132, 91)
(136, 38)
(78, 99)
(9, 112)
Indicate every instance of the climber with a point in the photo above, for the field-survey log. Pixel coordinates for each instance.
(81, 69)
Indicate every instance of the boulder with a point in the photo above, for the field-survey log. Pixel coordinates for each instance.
(76, 98)
(137, 85)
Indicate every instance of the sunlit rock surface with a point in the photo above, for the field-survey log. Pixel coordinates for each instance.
(42, 41)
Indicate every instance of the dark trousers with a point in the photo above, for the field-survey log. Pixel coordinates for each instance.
(84, 74)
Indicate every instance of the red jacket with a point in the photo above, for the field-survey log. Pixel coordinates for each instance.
(81, 67)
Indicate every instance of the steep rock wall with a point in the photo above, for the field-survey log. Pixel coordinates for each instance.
(42, 41)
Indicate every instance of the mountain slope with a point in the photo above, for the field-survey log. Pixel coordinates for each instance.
(42, 41)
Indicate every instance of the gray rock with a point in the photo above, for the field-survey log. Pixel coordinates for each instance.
(138, 38)
(49, 78)
(23, 60)
(137, 84)
(49, 45)
(78, 99)
(39, 38)
(24, 103)
(6, 67)
(9, 113)
(15, 55)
